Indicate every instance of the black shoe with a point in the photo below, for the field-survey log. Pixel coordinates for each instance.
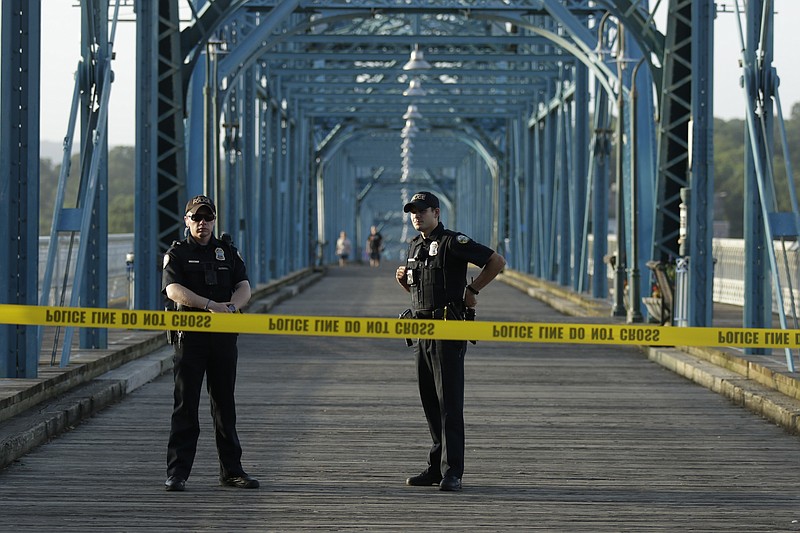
(450, 483)
(175, 483)
(425, 479)
(240, 482)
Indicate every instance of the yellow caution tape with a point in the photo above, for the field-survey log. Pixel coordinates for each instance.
(393, 328)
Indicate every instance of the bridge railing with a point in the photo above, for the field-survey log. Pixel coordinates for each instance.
(119, 246)
(729, 263)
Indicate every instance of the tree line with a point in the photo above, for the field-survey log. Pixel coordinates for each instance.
(121, 162)
(728, 176)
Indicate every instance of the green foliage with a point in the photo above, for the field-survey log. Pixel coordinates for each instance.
(729, 167)
(120, 189)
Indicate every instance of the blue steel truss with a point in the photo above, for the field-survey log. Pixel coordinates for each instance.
(291, 114)
(87, 221)
(19, 172)
(765, 225)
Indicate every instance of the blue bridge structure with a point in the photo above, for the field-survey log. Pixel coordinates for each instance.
(543, 125)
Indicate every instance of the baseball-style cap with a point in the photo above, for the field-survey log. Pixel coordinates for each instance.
(200, 201)
(422, 200)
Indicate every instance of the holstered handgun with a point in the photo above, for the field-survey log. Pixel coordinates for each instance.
(407, 314)
(468, 313)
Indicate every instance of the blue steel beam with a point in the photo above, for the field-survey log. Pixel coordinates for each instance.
(241, 56)
(674, 119)
(95, 50)
(758, 289)
(90, 278)
(760, 200)
(290, 127)
(701, 208)
(288, 71)
(579, 175)
(160, 172)
(599, 189)
(19, 178)
(436, 6)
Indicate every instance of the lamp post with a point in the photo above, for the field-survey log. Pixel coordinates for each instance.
(211, 168)
(619, 266)
(634, 314)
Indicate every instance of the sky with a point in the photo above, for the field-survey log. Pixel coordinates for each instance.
(61, 52)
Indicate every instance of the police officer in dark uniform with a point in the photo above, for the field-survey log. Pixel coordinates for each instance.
(205, 274)
(436, 276)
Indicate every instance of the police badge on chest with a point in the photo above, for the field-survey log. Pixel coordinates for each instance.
(433, 249)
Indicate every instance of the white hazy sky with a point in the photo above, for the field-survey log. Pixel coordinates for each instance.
(61, 52)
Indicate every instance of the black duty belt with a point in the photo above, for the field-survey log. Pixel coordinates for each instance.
(436, 314)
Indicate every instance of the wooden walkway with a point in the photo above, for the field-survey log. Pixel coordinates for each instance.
(559, 438)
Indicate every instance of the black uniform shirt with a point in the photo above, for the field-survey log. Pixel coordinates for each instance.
(439, 265)
(211, 271)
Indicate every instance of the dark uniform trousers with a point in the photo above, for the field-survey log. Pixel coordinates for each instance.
(436, 277)
(440, 373)
(213, 355)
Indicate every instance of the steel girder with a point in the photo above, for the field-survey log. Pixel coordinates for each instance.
(685, 104)
(701, 207)
(432, 21)
(93, 249)
(765, 225)
(758, 287)
(87, 222)
(311, 69)
(19, 179)
(160, 157)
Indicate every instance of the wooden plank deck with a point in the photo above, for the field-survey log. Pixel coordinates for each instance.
(559, 438)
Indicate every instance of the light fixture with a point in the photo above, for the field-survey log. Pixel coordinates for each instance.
(414, 88)
(409, 130)
(412, 112)
(417, 61)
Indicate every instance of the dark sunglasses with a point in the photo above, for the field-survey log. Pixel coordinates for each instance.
(207, 218)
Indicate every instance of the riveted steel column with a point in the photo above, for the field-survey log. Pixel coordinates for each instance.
(94, 159)
(579, 171)
(601, 154)
(19, 179)
(265, 186)
(160, 157)
(701, 208)
(561, 191)
(249, 231)
(676, 113)
(757, 283)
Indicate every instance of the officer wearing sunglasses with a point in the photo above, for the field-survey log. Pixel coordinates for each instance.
(205, 274)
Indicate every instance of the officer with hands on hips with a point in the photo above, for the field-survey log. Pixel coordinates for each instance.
(205, 274)
(436, 276)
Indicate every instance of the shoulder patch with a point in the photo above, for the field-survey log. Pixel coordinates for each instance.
(166, 261)
(462, 239)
